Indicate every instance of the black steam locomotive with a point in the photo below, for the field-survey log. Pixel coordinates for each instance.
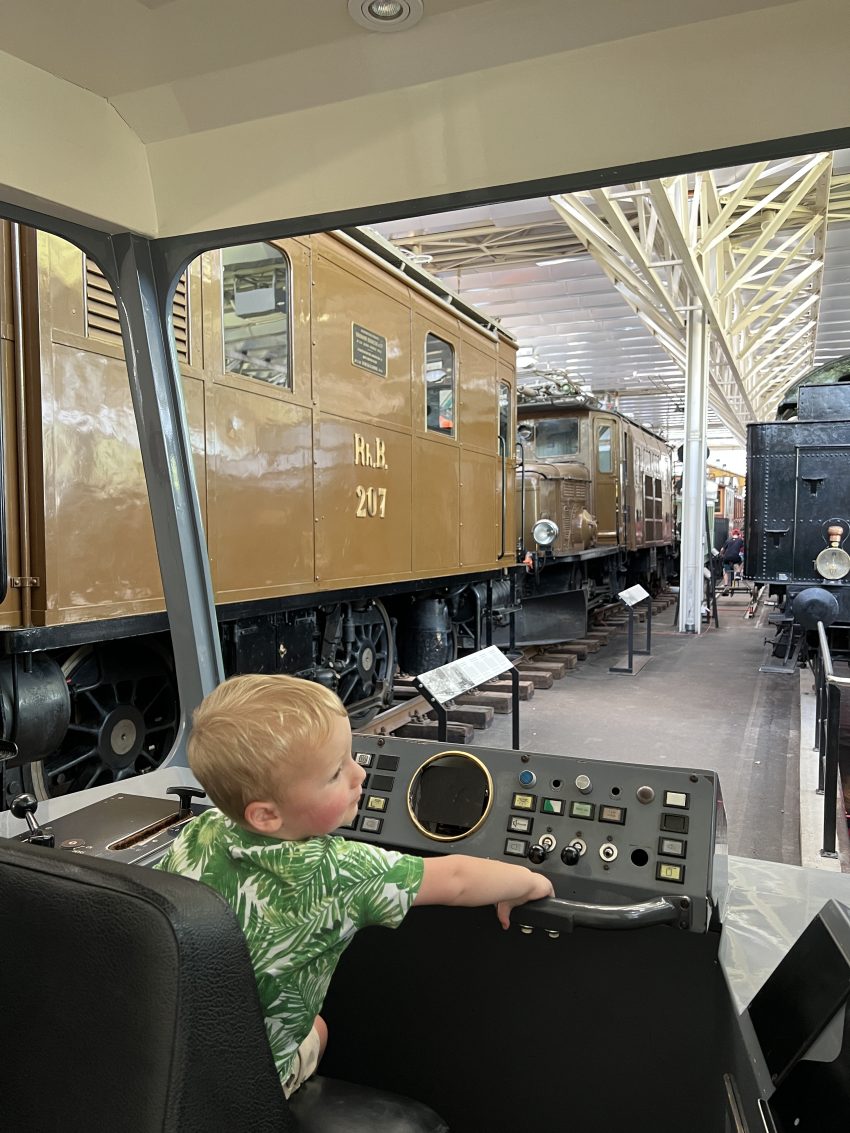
(798, 512)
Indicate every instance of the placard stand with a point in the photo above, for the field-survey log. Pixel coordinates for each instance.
(443, 684)
(637, 658)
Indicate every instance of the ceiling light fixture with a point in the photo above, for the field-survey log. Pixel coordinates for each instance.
(386, 15)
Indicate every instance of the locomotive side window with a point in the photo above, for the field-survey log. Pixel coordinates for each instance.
(256, 292)
(603, 448)
(556, 437)
(504, 414)
(652, 508)
(439, 386)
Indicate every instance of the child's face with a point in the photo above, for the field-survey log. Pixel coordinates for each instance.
(326, 788)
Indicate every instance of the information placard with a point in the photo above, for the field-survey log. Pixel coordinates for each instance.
(633, 595)
(449, 681)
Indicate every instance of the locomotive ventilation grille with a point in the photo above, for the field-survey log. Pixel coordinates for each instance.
(102, 311)
(573, 499)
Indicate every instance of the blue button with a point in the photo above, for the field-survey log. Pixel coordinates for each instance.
(527, 778)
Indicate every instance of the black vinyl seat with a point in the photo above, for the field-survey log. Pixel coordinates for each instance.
(130, 1004)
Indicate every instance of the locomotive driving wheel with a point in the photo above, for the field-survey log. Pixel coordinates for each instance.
(124, 717)
(365, 660)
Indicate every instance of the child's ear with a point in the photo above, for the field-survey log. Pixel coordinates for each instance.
(264, 817)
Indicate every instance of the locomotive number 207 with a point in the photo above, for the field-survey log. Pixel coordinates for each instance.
(370, 502)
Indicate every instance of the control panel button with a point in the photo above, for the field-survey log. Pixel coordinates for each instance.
(583, 810)
(680, 799)
(388, 763)
(672, 847)
(376, 802)
(645, 794)
(527, 778)
(584, 784)
(364, 758)
(520, 824)
(670, 871)
(371, 825)
(382, 782)
(516, 847)
(350, 825)
(524, 802)
(551, 806)
(675, 823)
(615, 814)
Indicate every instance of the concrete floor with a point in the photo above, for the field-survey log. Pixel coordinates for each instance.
(700, 702)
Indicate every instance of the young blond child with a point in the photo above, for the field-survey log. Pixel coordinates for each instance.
(274, 755)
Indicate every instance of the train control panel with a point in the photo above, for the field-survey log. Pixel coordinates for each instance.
(623, 844)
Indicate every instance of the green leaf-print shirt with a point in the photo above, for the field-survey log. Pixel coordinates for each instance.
(299, 905)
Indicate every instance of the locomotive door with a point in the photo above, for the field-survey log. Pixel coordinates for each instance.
(607, 502)
(821, 495)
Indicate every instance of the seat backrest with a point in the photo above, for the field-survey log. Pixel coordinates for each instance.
(129, 1003)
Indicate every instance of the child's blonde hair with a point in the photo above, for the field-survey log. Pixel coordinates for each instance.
(245, 730)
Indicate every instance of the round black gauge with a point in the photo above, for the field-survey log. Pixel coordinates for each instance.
(450, 795)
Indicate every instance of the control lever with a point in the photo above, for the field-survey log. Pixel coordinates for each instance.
(537, 854)
(25, 806)
(556, 913)
(186, 794)
(571, 855)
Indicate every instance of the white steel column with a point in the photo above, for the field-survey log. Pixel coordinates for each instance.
(692, 554)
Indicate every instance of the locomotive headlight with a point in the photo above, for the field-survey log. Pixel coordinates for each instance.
(545, 532)
(832, 563)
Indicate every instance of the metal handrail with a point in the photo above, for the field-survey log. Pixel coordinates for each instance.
(827, 723)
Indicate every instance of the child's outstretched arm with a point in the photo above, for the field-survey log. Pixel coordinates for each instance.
(459, 880)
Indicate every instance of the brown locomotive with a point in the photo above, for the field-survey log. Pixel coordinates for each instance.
(595, 505)
(352, 425)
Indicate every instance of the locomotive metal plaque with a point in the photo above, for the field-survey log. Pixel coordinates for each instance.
(368, 350)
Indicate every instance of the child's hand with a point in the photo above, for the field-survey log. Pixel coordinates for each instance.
(540, 886)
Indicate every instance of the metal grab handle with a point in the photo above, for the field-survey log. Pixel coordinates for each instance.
(555, 913)
(504, 458)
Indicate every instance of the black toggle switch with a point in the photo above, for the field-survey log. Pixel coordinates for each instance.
(25, 806)
(537, 854)
(570, 855)
(185, 795)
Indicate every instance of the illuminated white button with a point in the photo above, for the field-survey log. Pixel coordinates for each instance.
(376, 802)
(364, 758)
(677, 798)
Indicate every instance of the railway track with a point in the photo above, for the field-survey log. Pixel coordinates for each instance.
(539, 666)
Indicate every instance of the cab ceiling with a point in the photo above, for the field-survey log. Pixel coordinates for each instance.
(166, 117)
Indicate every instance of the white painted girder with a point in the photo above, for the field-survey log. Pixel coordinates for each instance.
(749, 253)
(632, 264)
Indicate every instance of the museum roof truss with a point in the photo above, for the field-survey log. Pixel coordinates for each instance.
(746, 245)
